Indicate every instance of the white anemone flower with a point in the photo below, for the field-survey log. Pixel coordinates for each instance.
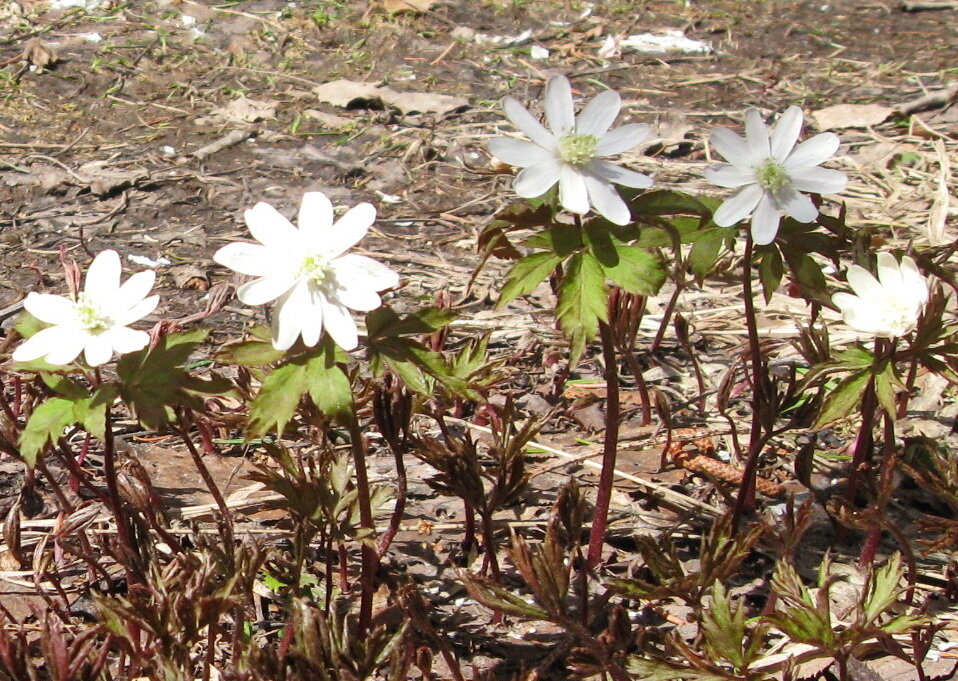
(97, 322)
(307, 271)
(570, 151)
(886, 307)
(770, 173)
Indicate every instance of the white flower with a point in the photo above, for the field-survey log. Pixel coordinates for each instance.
(570, 152)
(886, 307)
(97, 322)
(307, 271)
(770, 173)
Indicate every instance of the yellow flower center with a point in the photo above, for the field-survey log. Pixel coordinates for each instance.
(772, 176)
(92, 316)
(576, 149)
(315, 268)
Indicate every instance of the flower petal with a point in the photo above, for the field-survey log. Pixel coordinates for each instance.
(786, 132)
(138, 311)
(863, 283)
(756, 134)
(818, 180)
(622, 139)
(98, 349)
(50, 308)
(856, 313)
(572, 191)
(737, 207)
(67, 347)
(913, 281)
(46, 341)
(125, 340)
(103, 277)
(263, 290)
(526, 122)
(340, 325)
(285, 333)
(727, 175)
(270, 228)
(298, 315)
(558, 105)
(315, 216)
(731, 147)
(252, 259)
(348, 230)
(599, 114)
(619, 175)
(134, 290)
(357, 298)
(812, 151)
(519, 153)
(795, 205)
(765, 221)
(606, 200)
(360, 270)
(536, 180)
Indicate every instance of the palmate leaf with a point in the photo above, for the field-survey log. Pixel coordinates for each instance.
(316, 373)
(648, 669)
(633, 268)
(706, 249)
(394, 343)
(771, 269)
(154, 381)
(48, 421)
(583, 302)
(846, 396)
(526, 275)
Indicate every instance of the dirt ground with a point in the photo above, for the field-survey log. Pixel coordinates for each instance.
(149, 127)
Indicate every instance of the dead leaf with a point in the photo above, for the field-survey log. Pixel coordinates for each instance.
(190, 277)
(353, 94)
(245, 110)
(38, 54)
(397, 6)
(104, 180)
(328, 120)
(842, 116)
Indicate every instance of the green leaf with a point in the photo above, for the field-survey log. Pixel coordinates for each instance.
(724, 628)
(255, 352)
(329, 386)
(562, 240)
(706, 249)
(154, 382)
(886, 385)
(275, 404)
(45, 426)
(771, 269)
(808, 275)
(64, 386)
(390, 344)
(841, 401)
(648, 669)
(526, 275)
(583, 302)
(638, 271)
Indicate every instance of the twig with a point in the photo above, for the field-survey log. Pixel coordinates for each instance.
(908, 6)
(228, 140)
(932, 100)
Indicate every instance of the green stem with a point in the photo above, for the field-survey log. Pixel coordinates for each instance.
(609, 447)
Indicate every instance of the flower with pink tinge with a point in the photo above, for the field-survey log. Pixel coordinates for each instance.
(97, 322)
(308, 272)
(770, 173)
(571, 151)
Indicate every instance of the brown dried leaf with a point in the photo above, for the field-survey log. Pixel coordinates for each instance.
(842, 116)
(397, 6)
(350, 93)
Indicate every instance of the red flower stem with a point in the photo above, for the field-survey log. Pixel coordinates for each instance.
(609, 447)
(864, 441)
(746, 494)
(370, 559)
